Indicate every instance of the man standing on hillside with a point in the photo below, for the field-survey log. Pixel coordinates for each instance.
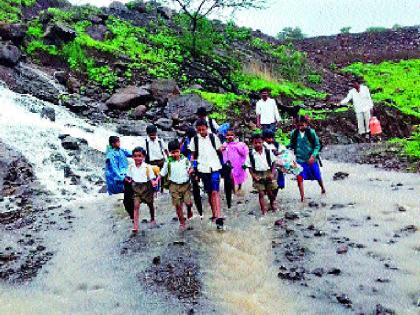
(268, 116)
(363, 105)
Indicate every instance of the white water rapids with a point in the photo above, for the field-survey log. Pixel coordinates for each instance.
(88, 274)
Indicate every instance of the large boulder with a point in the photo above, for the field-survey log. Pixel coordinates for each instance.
(139, 111)
(163, 90)
(9, 55)
(97, 32)
(164, 124)
(128, 97)
(184, 107)
(59, 33)
(132, 128)
(12, 32)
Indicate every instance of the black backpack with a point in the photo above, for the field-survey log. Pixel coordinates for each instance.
(213, 143)
(308, 134)
(267, 156)
(147, 150)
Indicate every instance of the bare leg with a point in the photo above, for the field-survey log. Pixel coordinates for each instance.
(189, 211)
(321, 184)
(300, 185)
(272, 194)
(180, 214)
(136, 216)
(152, 213)
(215, 196)
(263, 207)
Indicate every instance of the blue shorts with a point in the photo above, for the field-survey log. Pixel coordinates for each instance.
(280, 180)
(310, 172)
(211, 181)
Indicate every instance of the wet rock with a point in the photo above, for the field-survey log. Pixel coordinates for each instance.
(344, 299)
(13, 32)
(156, 260)
(381, 310)
(70, 143)
(409, 229)
(118, 7)
(165, 12)
(185, 106)
(293, 274)
(390, 266)
(342, 249)
(334, 271)
(340, 176)
(164, 123)
(319, 272)
(163, 90)
(381, 280)
(9, 55)
(49, 113)
(313, 204)
(319, 233)
(97, 32)
(337, 206)
(291, 216)
(402, 209)
(128, 97)
(139, 111)
(59, 33)
(279, 222)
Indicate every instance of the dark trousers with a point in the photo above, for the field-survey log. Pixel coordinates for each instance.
(129, 199)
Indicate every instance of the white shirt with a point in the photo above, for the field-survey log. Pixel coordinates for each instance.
(272, 147)
(155, 151)
(139, 174)
(362, 100)
(261, 164)
(208, 160)
(215, 125)
(179, 170)
(268, 111)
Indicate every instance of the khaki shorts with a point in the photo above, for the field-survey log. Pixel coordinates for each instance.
(180, 193)
(143, 193)
(264, 184)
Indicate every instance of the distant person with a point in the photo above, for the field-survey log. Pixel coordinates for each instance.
(260, 163)
(141, 176)
(178, 170)
(202, 114)
(156, 148)
(306, 145)
(235, 153)
(270, 143)
(363, 105)
(116, 166)
(206, 150)
(268, 116)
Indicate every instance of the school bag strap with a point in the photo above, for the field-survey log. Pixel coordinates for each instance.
(147, 150)
(267, 156)
(213, 143)
(211, 124)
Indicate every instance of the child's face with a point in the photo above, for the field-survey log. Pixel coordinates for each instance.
(202, 130)
(230, 136)
(264, 95)
(116, 144)
(176, 154)
(269, 140)
(138, 158)
(153, 136)
(258, 144)
(302, 126)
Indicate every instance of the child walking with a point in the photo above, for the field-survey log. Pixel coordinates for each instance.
(235, 153)
(305, 144)
(139, 175)
(261, 166)
(178, 170)
(206, 150)
(271, 144)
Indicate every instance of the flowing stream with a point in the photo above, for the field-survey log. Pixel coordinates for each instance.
(238, 268)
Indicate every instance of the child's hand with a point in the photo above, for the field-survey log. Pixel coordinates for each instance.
(270, 177)
(311, 160)
(256, 178)
(190, 171)
(155, 183)
(128, 180)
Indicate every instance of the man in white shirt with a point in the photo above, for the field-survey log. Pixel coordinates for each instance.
(156, 148)
(363, 105)
(268, 116)
(206, 149)
(260, 163)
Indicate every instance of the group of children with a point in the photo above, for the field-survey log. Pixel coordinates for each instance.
(201, 156)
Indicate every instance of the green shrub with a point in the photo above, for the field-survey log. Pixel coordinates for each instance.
(314, 78)
(374, 29)
(411, 145)
(10, 10)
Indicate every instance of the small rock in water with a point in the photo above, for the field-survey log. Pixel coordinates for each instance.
(319, 272)
(319, 233)
(344, 299)
(144, 221)
(313, 204)
(156, 260)
(337, 206)
(342, 249)
(279, 222)
(381, 310)
(334, 271)
(49, 113)
(340, 176)
(291, 216)
(402, 209)
(380, 280)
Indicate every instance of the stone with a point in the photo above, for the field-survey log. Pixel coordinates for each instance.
(344, 299)
(13, 32)
(402, 209)
(334, 271)
(156, 260)
(340, 176)
(342, 249)
(381, 310)
(165, 12)
(185, 107)
(130, 128)
(139, 111)
(291, 216)
(164, 124)
(138, 6)
(70, 143)
(59, 33)
(97, 31)
(128, 97)
(49, 113)
(279, 222)
(163, 90)
(319, 272)
(313, 204)
(118, 7)
(9, 55)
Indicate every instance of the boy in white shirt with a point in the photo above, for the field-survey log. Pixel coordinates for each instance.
(206, 150)
(363, 105)
(178, 170)
(139, 175)
(268, 116)
(261, 167)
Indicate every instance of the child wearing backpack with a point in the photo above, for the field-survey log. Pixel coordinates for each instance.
(139, 175)
(306, 146)
(260, 162)
(206, 150)
(271, 144)
(178, 169)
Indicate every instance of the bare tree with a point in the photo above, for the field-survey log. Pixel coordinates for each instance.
(196, 10)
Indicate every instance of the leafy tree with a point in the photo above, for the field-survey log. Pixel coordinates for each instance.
(396, 27)
(374, 29)
(198, 10)
(290, 33)
(345, 30)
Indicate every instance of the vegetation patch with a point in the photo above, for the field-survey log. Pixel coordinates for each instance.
(11, 10)
(411, 145)
(393, 83)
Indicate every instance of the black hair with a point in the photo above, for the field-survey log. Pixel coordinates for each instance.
(201, 111)
(151, 129)
(268, 134)
(190, 133)
(173, 145)
(256, 136)
(201, 122)
(231, 130)
(113, 139)
(301, 119)
(266, 89)
(357, 80)
(139, 149)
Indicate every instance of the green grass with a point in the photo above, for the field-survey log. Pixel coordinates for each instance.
(393, 83)
(11, 10)
(320, 114)
(411, 145)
